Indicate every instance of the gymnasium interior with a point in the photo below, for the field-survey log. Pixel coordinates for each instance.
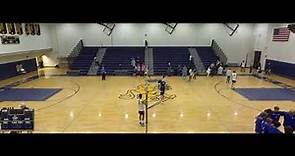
(86, 77)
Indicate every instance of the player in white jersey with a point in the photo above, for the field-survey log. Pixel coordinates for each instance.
(228, 75)
(233, 79)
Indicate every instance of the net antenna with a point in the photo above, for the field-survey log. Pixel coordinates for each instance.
(108, 28)
(146, 106)
(232, 28)
(170, 27)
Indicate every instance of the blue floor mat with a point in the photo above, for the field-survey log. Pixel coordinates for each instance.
(267, 93)
(27, 94)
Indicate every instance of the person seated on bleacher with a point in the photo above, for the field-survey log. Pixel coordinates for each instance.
(178, 70)
(133, 62)
(138, 69)
(146, 71)
(95, 59)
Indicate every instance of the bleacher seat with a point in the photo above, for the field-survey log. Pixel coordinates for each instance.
(83, 61)
(117, 59)
(207, 55)
(175, 55)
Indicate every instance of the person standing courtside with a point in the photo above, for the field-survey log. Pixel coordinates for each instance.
(191, 74)
(145, 41)
(243, 66)
(184, 72)
(103, 73)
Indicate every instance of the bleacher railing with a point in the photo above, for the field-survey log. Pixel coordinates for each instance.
(219, 52)
(75, 52)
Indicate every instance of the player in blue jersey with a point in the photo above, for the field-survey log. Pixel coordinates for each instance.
(269, 128)
(289, 121)
(260, 119)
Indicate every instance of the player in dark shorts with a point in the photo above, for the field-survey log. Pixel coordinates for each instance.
(162, 87)
(234, 79)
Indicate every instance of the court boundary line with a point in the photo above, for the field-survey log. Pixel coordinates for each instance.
(232, 101)
(152, 132)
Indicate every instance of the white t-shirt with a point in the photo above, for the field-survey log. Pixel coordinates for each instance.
(141, 106)
(220, 70)
(234, 76)
(208, 70)
(191, 72)
(243, 64)
(228, 73)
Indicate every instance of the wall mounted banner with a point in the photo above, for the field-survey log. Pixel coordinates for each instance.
(3, 29)
(19, 28)
(11, 28)
(9, 39)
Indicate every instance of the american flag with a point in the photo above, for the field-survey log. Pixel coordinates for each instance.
(281, 34)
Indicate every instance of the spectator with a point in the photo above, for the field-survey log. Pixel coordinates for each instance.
(191, 61)
(146, 71)
(134, 70)
(184, 71)
(243, 65)
(138, 69)
(190, 58)
(95, 59)
(169, 69)
(137, 60)
(133, 62)
(267, 69)
(178, 70)
(142, 70)
(195, 73)
(212, 69)
(103, 72)
(218, 62)
(220, 70)
(209, 71)
(191, 74)
(146, 43)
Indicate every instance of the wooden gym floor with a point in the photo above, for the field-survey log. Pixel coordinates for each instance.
(88, 104)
